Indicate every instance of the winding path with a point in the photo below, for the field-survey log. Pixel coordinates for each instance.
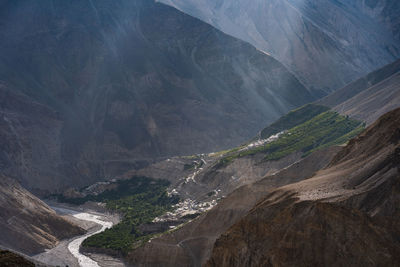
(74, 245)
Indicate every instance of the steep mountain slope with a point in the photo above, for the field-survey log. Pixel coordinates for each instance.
(191, 245)
(27, 224)
(292, 119)
(385, 11)
(369, 97)
(202, 180)
(293, 136)
(122, 81)
(11, 258)
(347, 214)
(373, 102)
(30, 145)
(352, 89)
(8, 258)
(327, 44)
(210, 176)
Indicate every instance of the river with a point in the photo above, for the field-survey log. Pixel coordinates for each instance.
(67, 251)
(74, 245)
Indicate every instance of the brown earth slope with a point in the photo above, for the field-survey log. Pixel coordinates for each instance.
(198, 183)
(26, 223)
(346, 215)
(191, 245)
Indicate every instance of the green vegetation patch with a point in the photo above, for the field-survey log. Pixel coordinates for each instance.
(139, 200)
(326, 129)
(122, 188)
(293, 118)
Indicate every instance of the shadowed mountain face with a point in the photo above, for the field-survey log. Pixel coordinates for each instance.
(347, 214)
(327, 44)
(89, 88)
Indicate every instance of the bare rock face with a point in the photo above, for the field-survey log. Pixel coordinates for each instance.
(122, 82)
(327, 44)
(345, 215)
(27, 224)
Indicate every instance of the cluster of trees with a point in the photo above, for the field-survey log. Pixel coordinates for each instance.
(139, 200)
(324, 129)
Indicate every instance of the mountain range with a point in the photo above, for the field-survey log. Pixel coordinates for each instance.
(327, 43)
(206, 133)
(93, 88)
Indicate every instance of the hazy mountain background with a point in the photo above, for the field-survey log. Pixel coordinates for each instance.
(327, 43)
(91, 89)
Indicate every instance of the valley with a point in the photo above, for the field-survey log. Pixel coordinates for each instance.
(75, 245)
(68, 251)
(152, 208)
(91, 89)
(199, 133)
(191, 200)
(203, 181)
